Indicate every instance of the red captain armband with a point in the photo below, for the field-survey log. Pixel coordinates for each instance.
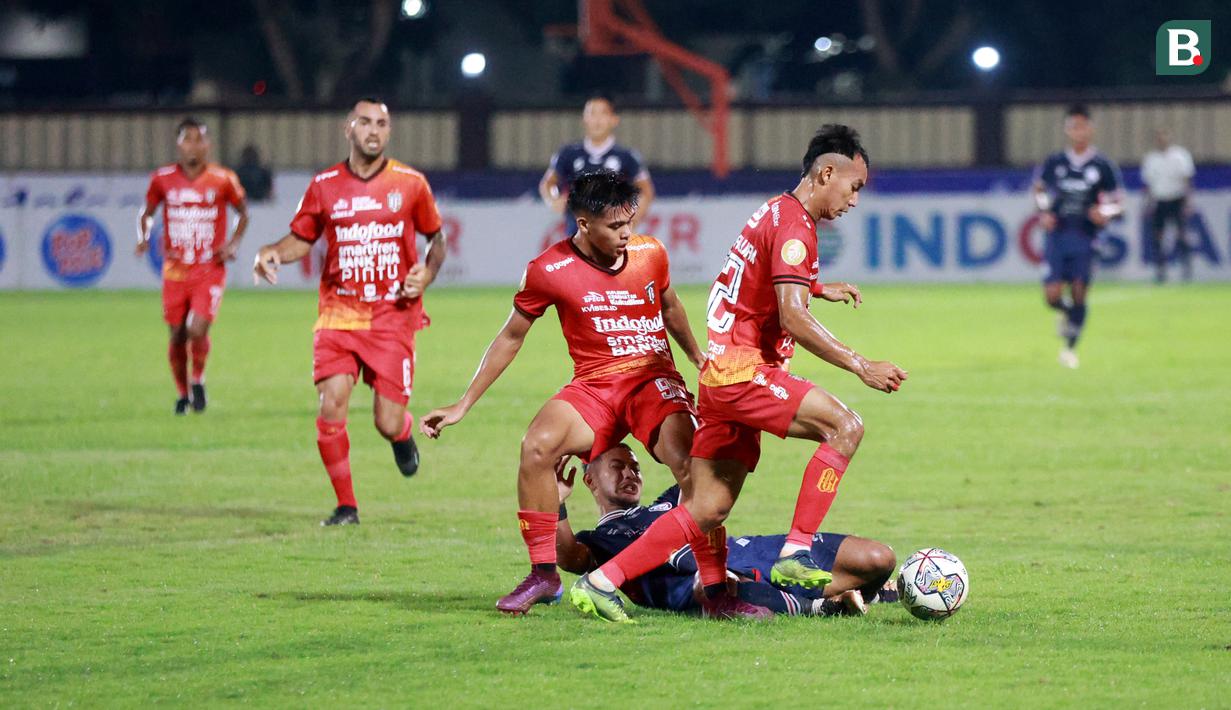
(817, 289)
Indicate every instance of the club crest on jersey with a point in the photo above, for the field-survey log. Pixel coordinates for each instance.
(210, 195)
(649, 291)
(793, 252)
(394, 199)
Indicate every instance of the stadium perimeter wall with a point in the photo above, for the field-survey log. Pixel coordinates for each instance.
(78, 230)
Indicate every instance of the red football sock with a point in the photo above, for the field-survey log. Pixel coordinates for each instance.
(334, 445)
(177, 354)
(668, 534)
(409, 424)
(816, 494)
(539, 532)
(711, 554)
(199, 347)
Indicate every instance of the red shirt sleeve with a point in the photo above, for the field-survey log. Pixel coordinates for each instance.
(155, 194)
(425, 214)
(309, 220)
(533, 298)
(792, 255)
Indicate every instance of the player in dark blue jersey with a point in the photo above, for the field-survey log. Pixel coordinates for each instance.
(1077, 192)
(860, 567)
(598, 150)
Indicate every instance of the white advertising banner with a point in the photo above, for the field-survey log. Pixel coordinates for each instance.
(79, 231)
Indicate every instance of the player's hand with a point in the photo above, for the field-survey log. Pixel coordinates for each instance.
(435, 421)
(417, 281)
(266, 265)
(1047, 220)
(143, 245)
(229, 250)
(564, 482)
(558, 204)
(1097, 216)
(882, 375)
(842, 292)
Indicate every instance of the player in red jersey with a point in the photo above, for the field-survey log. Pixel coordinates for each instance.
(367, 208)
(195, 250)
(612, 293)
(758, 310)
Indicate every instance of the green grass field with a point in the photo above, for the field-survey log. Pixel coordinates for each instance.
(148, 558)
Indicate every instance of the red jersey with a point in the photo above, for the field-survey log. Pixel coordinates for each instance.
(370, 228)
(612, 318)
(194, 216)
(777, 245)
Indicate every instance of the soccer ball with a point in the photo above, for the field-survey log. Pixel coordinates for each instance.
(933, 584)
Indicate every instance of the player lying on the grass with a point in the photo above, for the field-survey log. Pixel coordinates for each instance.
(860, 567)
(612, 293)
(758, 311)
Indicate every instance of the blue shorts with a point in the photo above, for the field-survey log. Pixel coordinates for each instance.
(1069, 256)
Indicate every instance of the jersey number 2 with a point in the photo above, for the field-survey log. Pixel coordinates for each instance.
(725, 291)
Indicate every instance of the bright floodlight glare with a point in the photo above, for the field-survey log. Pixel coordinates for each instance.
(986, 58)
(473, 64)
(822, 44)
(414, 9)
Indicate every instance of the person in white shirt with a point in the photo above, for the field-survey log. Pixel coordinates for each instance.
(1167, 173)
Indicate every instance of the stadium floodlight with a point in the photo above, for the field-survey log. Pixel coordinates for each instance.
(414, 9)
(473, 65)
(822, 44)
(986, 58)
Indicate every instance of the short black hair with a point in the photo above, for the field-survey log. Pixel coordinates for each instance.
(834, 138)
(369, 100)
(585, 467)
(595, 193)
(599, 96)
(189, 122)
(1078, 110)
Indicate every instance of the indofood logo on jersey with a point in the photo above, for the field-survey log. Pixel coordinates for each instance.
(640, 325)
(1183, 48)
(370, 231)
(76, 250)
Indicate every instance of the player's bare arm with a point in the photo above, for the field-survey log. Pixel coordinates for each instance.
(676, 321)
(231, 248)
(145, 222)
(1042, 203)
(573, 556)
(798, 321)
(646, 185)
(271, 256)
(1110, 206)
(841, 292)
(495, 360)
(421, 275)
(549, 190)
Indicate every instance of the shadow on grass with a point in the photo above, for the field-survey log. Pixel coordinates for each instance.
(425, 602)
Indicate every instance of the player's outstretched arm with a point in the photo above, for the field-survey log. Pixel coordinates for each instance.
(271, 256)
(571, 555)
(797, 321)
(497, 358)
(549, 190)
(420, 276)
(676, 321)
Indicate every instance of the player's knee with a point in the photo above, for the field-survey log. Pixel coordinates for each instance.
(881, 560)
(179, 335)
(538, 448)
(850, 428)
(197, 329)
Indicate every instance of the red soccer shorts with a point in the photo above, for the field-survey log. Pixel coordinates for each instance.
(200, 294)
(733, 416)
(636, 403)
(386, 359)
